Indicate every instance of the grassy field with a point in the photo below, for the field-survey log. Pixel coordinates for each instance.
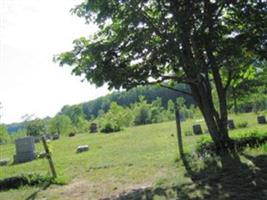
(138, 157)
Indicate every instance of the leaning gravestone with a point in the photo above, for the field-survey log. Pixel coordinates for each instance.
(261, 119)
(197, 129)
(25, 149)
(231, 124)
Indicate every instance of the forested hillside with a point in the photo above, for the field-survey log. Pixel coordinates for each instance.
(92, 109)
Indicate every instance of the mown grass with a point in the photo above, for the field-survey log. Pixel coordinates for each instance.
(136, 157)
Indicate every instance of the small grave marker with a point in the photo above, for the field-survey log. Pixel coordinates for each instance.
(261, 119)
(82, 148)
(231, 124)
(197, 129)
(55, 137)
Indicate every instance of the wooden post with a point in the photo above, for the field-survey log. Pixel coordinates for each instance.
(179, 131)
(49, 158)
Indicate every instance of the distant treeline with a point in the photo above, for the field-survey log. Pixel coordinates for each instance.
(92, 109)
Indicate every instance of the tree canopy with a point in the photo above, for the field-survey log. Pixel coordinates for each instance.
(205, 44)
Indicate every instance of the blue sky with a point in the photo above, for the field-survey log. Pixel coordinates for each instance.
(31, 32)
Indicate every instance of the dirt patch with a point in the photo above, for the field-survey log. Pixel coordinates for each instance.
(80, 189)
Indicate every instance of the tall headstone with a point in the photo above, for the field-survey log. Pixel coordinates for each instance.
(261, 119)
(93, 128)
(25, 149)
(197, 129)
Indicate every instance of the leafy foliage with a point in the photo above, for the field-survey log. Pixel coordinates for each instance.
(99, 106)
(205, 44)
(4, 136)
(60, 124)
(36, 127)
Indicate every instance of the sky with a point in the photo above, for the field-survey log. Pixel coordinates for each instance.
(31, 33)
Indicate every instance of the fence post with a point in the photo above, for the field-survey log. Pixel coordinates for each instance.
(49, 157)
(179, 131)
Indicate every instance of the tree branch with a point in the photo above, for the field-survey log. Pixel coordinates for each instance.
(177, 90)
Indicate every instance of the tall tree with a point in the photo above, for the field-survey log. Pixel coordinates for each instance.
(36, 127)
(203, 44)
(60, 124)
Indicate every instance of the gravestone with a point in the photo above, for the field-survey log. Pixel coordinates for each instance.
(25, 149)
(82, 148)
(197, 129)
(231, 124)
(93, 128)
(55, 137)
(261, 119)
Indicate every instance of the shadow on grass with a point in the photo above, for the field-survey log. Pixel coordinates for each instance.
(34, 195)
(221, 178)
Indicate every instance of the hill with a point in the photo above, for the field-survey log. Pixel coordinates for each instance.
(92, 108)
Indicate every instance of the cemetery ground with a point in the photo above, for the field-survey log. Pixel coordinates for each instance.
(143, 161)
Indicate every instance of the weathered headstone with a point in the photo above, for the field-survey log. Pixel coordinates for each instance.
(231, 124)
(261, 119)
(197, 129)
(82, 148)
(182, 117)
(93, 128)
(25, 149)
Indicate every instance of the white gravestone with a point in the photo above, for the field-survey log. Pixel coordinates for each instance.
(25, 149)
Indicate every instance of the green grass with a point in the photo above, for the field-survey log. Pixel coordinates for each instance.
(136, 157)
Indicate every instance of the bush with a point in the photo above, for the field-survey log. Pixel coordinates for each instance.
(4, 136)
(241, 141)
(36, 127)
(242, 125)
(29, 179)
(110, 128)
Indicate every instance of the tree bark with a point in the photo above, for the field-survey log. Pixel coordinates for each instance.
(216, 124)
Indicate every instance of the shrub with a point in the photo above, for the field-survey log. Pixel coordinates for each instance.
(110, 128)
(4, 136)
(29, 179)
(241, 141)
(242, 124)
(188, 132)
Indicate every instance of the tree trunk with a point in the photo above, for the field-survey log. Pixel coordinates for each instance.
(216, 124)
(235, 101)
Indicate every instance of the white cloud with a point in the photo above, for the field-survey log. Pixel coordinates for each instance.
(31, 32)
